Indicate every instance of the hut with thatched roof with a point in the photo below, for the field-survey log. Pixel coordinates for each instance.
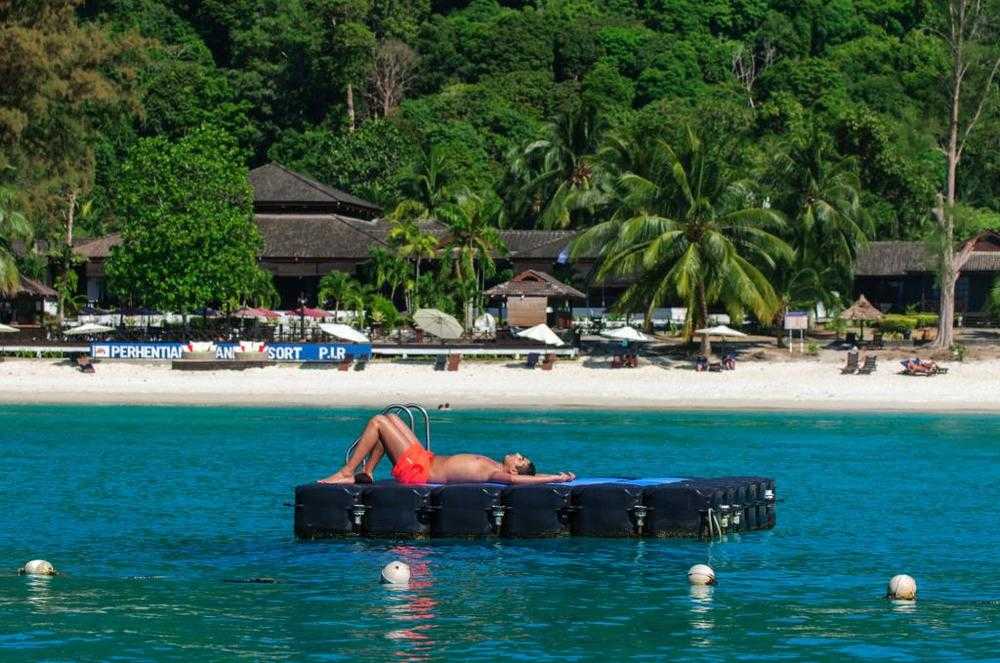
(528, 294)
(27, 305)
(861, 311)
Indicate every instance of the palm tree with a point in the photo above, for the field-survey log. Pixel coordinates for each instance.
(13, 227)
(412, 243)
(554, 176)
(822, 194)
(425, 185)
(474, 241)
(682, 230)
(338, 287)
(388, 269)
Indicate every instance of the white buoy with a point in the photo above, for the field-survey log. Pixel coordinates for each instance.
(38, 567)
(396, 573)
(701, 574)
(902, 588)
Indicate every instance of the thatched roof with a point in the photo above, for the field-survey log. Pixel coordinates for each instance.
(317, 236)
(532, 283)
(897, 258)
(276, 187)
(34, 288)
(861, 310)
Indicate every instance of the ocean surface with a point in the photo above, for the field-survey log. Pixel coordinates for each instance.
(149, 512)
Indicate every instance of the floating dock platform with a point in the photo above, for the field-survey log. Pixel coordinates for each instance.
(601, 507)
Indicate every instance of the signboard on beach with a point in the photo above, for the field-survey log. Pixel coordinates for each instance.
(796, 320)
(170, 350)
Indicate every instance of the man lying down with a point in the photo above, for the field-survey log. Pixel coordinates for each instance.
(387, 435)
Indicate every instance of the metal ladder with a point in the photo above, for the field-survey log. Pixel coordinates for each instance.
(407, 409)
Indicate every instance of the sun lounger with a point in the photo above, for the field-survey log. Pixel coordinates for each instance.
(715, 366)
(532, 360)
(361, 364)
(922, 368)
(852, 364)
(345, 363)
(550, 361)
(869, 365)
(440, 362)
(454, 361)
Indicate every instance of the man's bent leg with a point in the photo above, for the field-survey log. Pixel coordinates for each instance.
(380, 436)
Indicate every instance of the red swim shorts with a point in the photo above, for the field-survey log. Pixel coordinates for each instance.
(413, 466)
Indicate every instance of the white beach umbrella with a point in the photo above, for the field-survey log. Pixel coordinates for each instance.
(627, 334)
(88, 328)
(345, 332)
(485, 323)
(438, 323)
(719, 330)
(541, 333)
(4, 329)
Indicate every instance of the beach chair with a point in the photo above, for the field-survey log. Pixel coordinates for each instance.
(550, 361)
(632, 360)
(869, 365)
(454, 361)
(361, 363)
(345, 363)
(909, 368)
(532, 360)
(715, 366)
(440, 362)
(852, 364)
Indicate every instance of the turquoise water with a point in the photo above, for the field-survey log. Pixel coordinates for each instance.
(149, 511)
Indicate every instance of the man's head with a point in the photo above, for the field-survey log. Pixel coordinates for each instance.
(517, 464)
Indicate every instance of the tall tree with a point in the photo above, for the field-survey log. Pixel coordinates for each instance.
(474, 243)
(188, 236)
(682, 230)
(555, 173)
(60, 80)
(391, 76)
(411, 242)
(971, 31)
(14, 227)
(821, 192)
(337, 287)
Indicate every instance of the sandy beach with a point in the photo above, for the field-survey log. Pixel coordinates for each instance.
(802, 384)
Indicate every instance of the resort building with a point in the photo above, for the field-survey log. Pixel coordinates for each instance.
(310, 229)
(898, 275)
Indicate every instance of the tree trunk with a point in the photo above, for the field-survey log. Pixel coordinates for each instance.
(350, 108)
(706, 344)
(67, 256)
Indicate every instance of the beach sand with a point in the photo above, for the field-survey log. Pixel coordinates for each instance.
(803, 384)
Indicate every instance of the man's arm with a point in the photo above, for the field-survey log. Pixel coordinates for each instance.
(500, 476)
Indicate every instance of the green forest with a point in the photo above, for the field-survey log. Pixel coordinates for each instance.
(728, 146)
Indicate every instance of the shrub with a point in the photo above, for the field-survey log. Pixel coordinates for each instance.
(899, 324)
(926, 319)
(383, 312)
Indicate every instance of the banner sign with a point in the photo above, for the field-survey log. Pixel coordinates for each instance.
(169, 350)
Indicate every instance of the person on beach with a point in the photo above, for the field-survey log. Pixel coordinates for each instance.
(412, 464)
